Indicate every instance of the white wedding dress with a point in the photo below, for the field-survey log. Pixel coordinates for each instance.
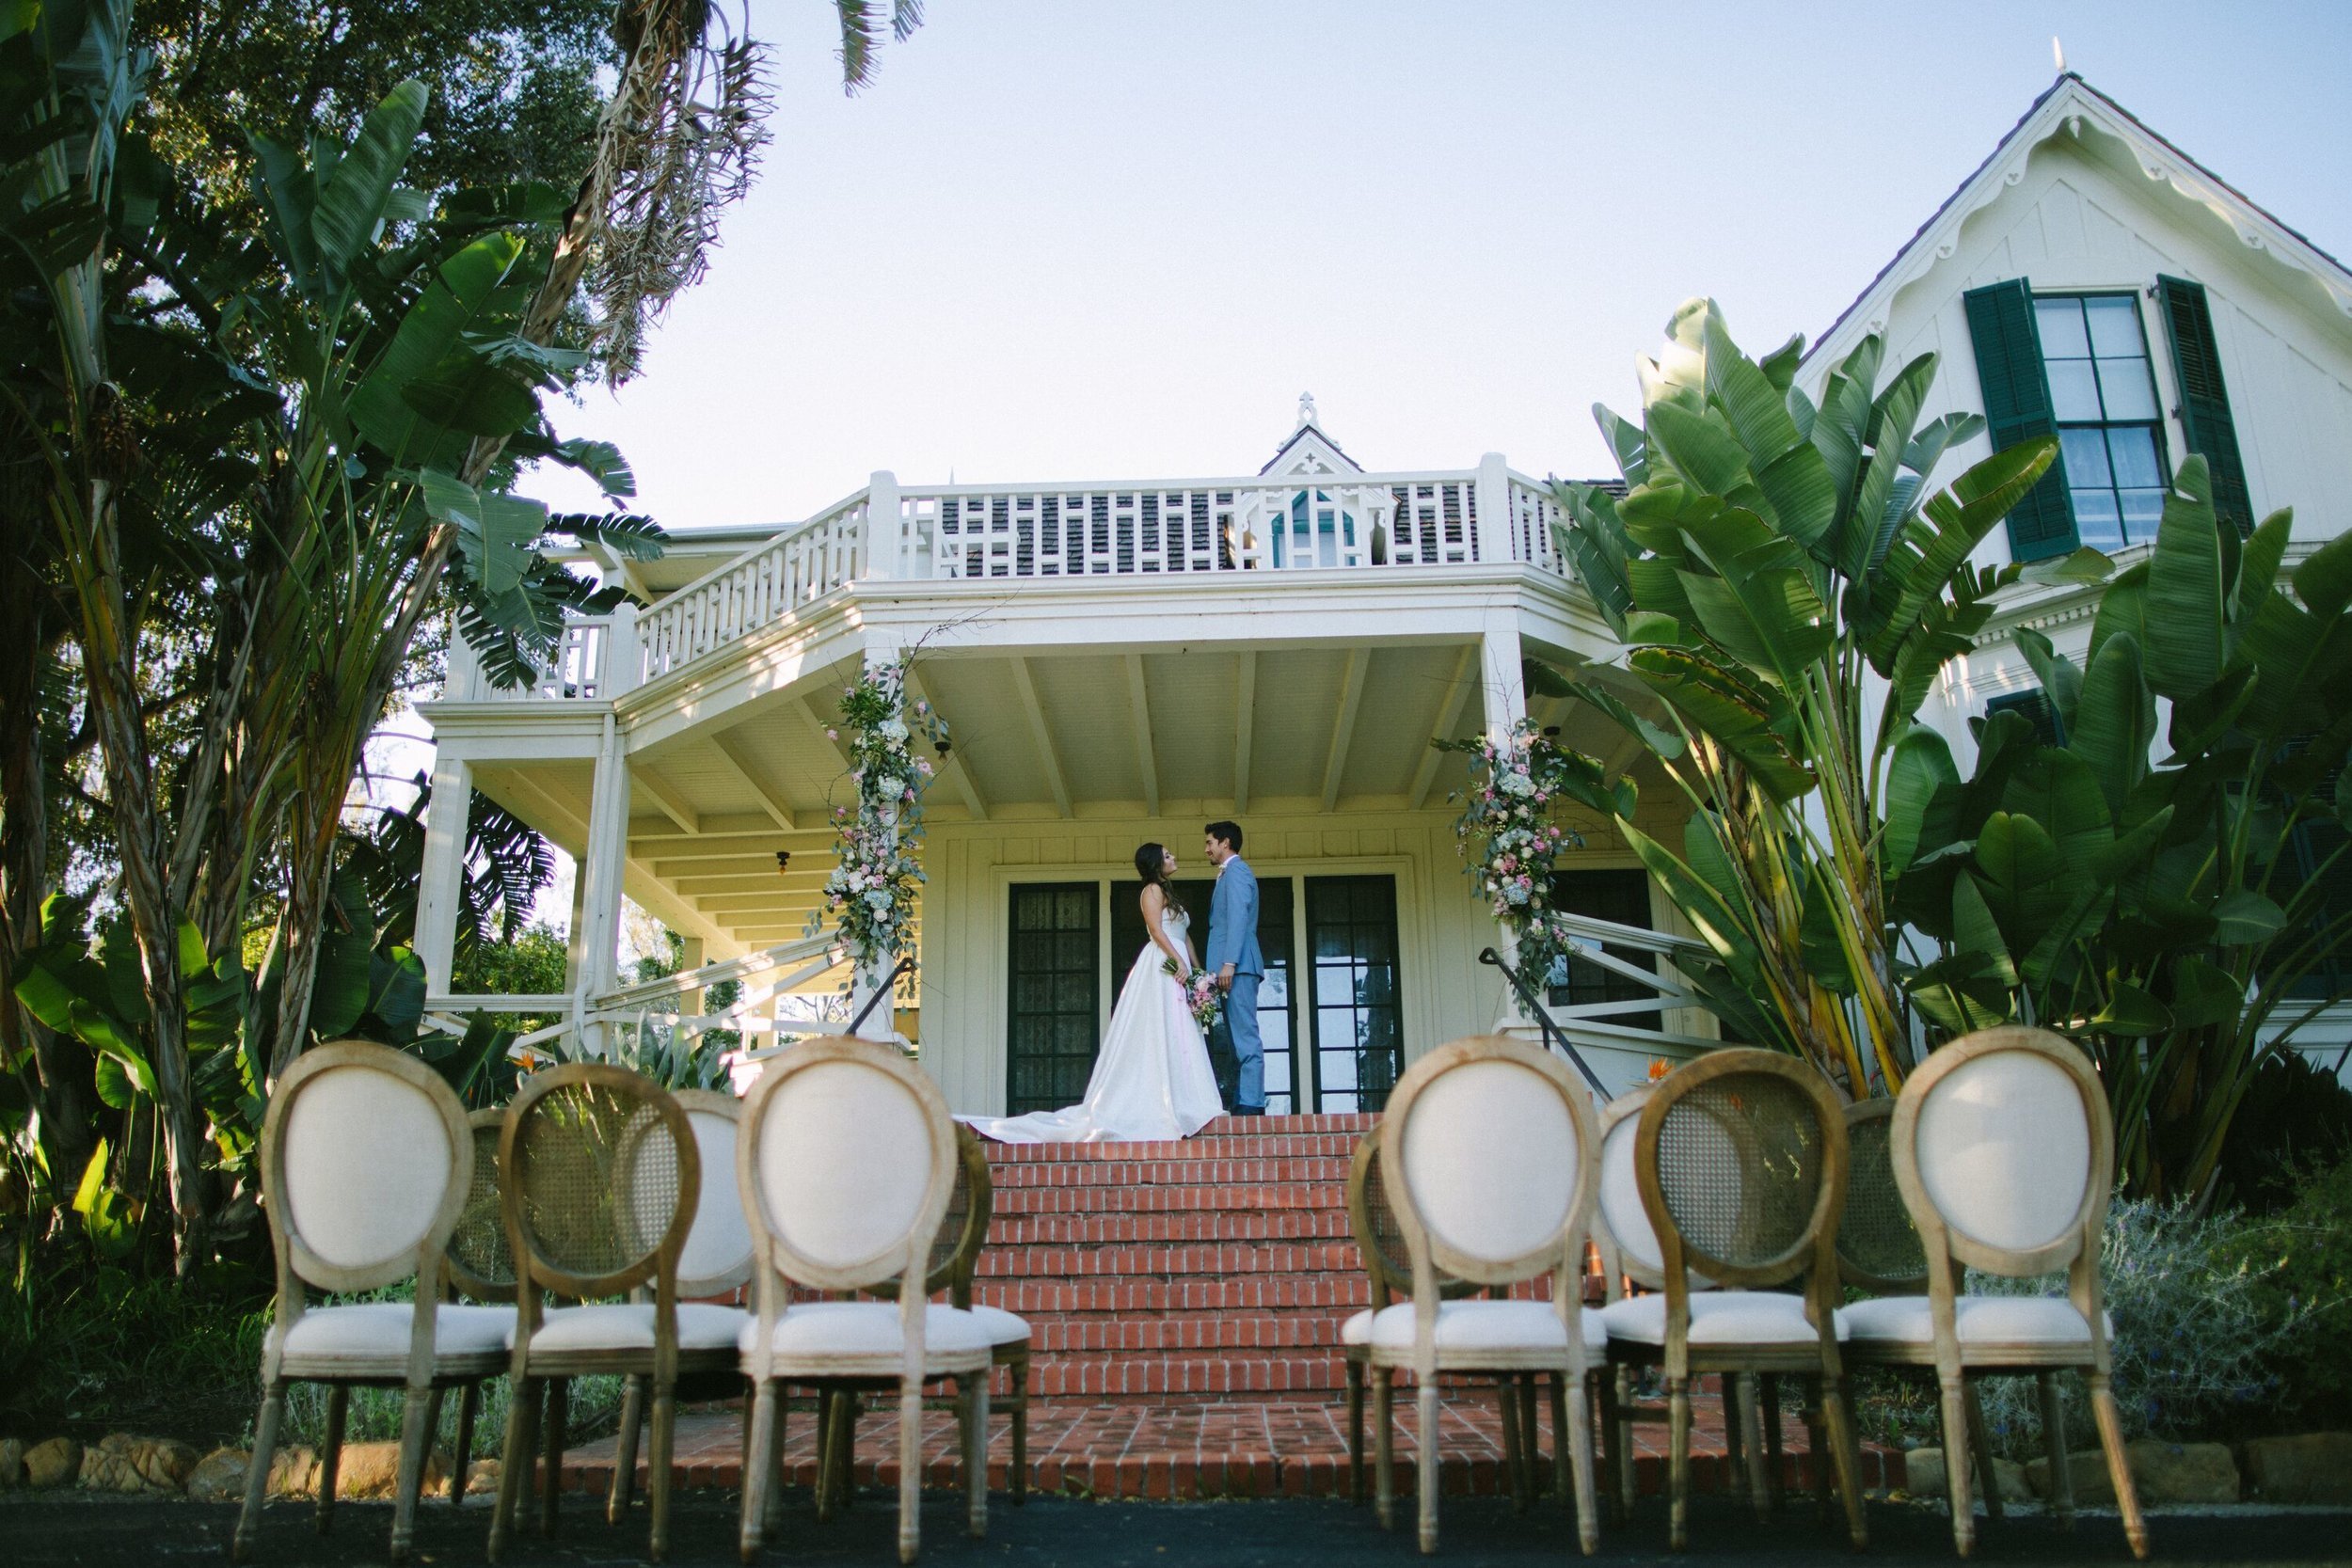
(1152, 1080)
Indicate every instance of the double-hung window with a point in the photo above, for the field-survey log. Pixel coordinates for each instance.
(2104, 399)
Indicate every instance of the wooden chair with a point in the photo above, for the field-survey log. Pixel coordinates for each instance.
(1488, 1156)
(1381, 1241)
(1879, 1250)
(846, 1164)
(2004, 1152)
(1741, 1161)
(954, 1260)
(366, 1162)
(602, 1183)
(479, 1265)
(715, 1261)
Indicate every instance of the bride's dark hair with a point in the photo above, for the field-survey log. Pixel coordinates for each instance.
(1151, 866)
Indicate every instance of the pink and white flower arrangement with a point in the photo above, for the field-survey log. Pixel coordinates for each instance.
(877, 875)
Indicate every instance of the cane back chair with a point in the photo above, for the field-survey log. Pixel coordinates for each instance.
(480, 1267)
(366, 1162)
(2003, 1151)
(1389, 1269)
(954, 1262)
(1879, 1250)
(601, 1182)
(715, 1261)
(844, 1166)
(1487, 1156)
(1740, 1160)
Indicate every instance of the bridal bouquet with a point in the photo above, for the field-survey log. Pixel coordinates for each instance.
(1200, 994)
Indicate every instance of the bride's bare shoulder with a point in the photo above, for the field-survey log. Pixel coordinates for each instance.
(1154, 898)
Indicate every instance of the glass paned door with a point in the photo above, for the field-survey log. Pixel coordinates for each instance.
(1359, 1021)
(1274, 1027)
(1056, 963)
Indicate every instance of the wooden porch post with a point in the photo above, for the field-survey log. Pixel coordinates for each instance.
(602, 864)
(1504, 693)
(872, 975)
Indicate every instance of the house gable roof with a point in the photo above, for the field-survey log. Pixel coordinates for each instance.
(1308, 451)
(2069, 107)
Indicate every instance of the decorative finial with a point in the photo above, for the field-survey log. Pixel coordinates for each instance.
(2058, 51)
(1306, 408)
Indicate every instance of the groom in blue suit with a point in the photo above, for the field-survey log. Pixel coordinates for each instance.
(1233, 956)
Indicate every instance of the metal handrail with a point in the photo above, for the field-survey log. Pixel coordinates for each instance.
(1554, 1036)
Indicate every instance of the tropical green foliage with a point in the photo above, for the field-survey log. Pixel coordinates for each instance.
(1787, 589)
(2162, 896)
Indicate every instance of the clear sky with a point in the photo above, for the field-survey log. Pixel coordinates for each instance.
(1117, 239)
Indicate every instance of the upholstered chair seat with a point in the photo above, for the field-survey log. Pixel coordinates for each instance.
(829, 1335)
(1477, 1326)
(1979, 1321)
(630, 1327)
(371, 1339)
(1720, 1318)
(1002, 1327)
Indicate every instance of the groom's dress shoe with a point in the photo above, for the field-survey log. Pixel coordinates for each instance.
(1249, 1111)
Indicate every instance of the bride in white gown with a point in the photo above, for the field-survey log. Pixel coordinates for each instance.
(1152, 1079)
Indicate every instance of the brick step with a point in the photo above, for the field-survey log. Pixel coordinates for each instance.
(1166, 1198)
(1066, 1336)
(1034, 1296)
(1324, 1132)
(1234, 1226)
(1221, 1258)
(1115, 1374)
(1256, 1170)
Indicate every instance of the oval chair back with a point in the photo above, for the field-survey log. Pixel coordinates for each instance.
(1489, 1157)
(1740, 1160)
(481, 1264)
(1878, 1241)
(1621, 1228)
(2003, 1150)
(601, 1182)
(717, 1257)
(1379, 1235)
(366, 1161)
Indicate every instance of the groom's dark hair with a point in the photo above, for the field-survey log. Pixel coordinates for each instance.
(1229, 832)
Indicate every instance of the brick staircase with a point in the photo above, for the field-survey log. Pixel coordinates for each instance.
(1214, 1270)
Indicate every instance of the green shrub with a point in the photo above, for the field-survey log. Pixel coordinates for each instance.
(2300, 1261)
(2201, 1340)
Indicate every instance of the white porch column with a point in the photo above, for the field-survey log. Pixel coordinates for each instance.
(1504, 691)
(882, 526)
(602, 864)
(871, 976)
(622, 657)
(441, 882)
(1494, 509)
(689, 959)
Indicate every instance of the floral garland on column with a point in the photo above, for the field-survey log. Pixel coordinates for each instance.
(1508, 838)
(872, 894)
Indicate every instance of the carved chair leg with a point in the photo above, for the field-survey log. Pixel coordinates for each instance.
(469, 1410)
(975, 1451)
(1572, 1435)
(1355, 1431)
(1529, 1450)
(1980, 1448)
(1425, 1461)
(770, 1459)
(2110, 1425)
(1847, 1457)
(759, 1480)
(1614, 1461)
(1768, 1390)
(657, 1466)
(1953, 1408)
(551, 1449)
(514, 1470)
(1560, 1479)
(1383, 1446)
(1678, 1461)
(1817, 1446)
(331, 1453)
(416, 1447)
(1514, 1450)
(1752, 1429)
(1017, 1375)
(909, 1468)
(266, 1426)
(624, 1447)
(1735, 1436)
(2054, 1448)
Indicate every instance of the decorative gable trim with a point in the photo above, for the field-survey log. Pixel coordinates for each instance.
(2067, 107)
(1309, 452)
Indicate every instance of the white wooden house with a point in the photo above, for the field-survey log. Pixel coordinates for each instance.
(1125, 660)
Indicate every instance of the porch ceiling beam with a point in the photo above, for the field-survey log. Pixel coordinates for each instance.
(1043, 737)
(951, 767)
(1245, 729)
(674, 805)
(717, 846)
(1449, 714)
(771, 881)
(1140, 700)
(752, 776)
(1344, 728)
(735, 906)
(1622, 756)
(762, 863)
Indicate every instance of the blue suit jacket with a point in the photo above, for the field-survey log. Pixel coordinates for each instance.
(1233, 921)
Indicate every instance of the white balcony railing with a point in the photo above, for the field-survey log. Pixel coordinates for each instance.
(1369, 522)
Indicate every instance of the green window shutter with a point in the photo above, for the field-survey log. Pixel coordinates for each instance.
(2017, 408)
(2204, 400)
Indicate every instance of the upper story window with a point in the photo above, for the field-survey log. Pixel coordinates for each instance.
(2103, 396)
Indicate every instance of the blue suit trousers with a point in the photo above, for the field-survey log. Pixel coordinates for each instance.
(1241, 1023)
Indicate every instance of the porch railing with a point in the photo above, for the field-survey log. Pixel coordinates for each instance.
(1306, 522)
